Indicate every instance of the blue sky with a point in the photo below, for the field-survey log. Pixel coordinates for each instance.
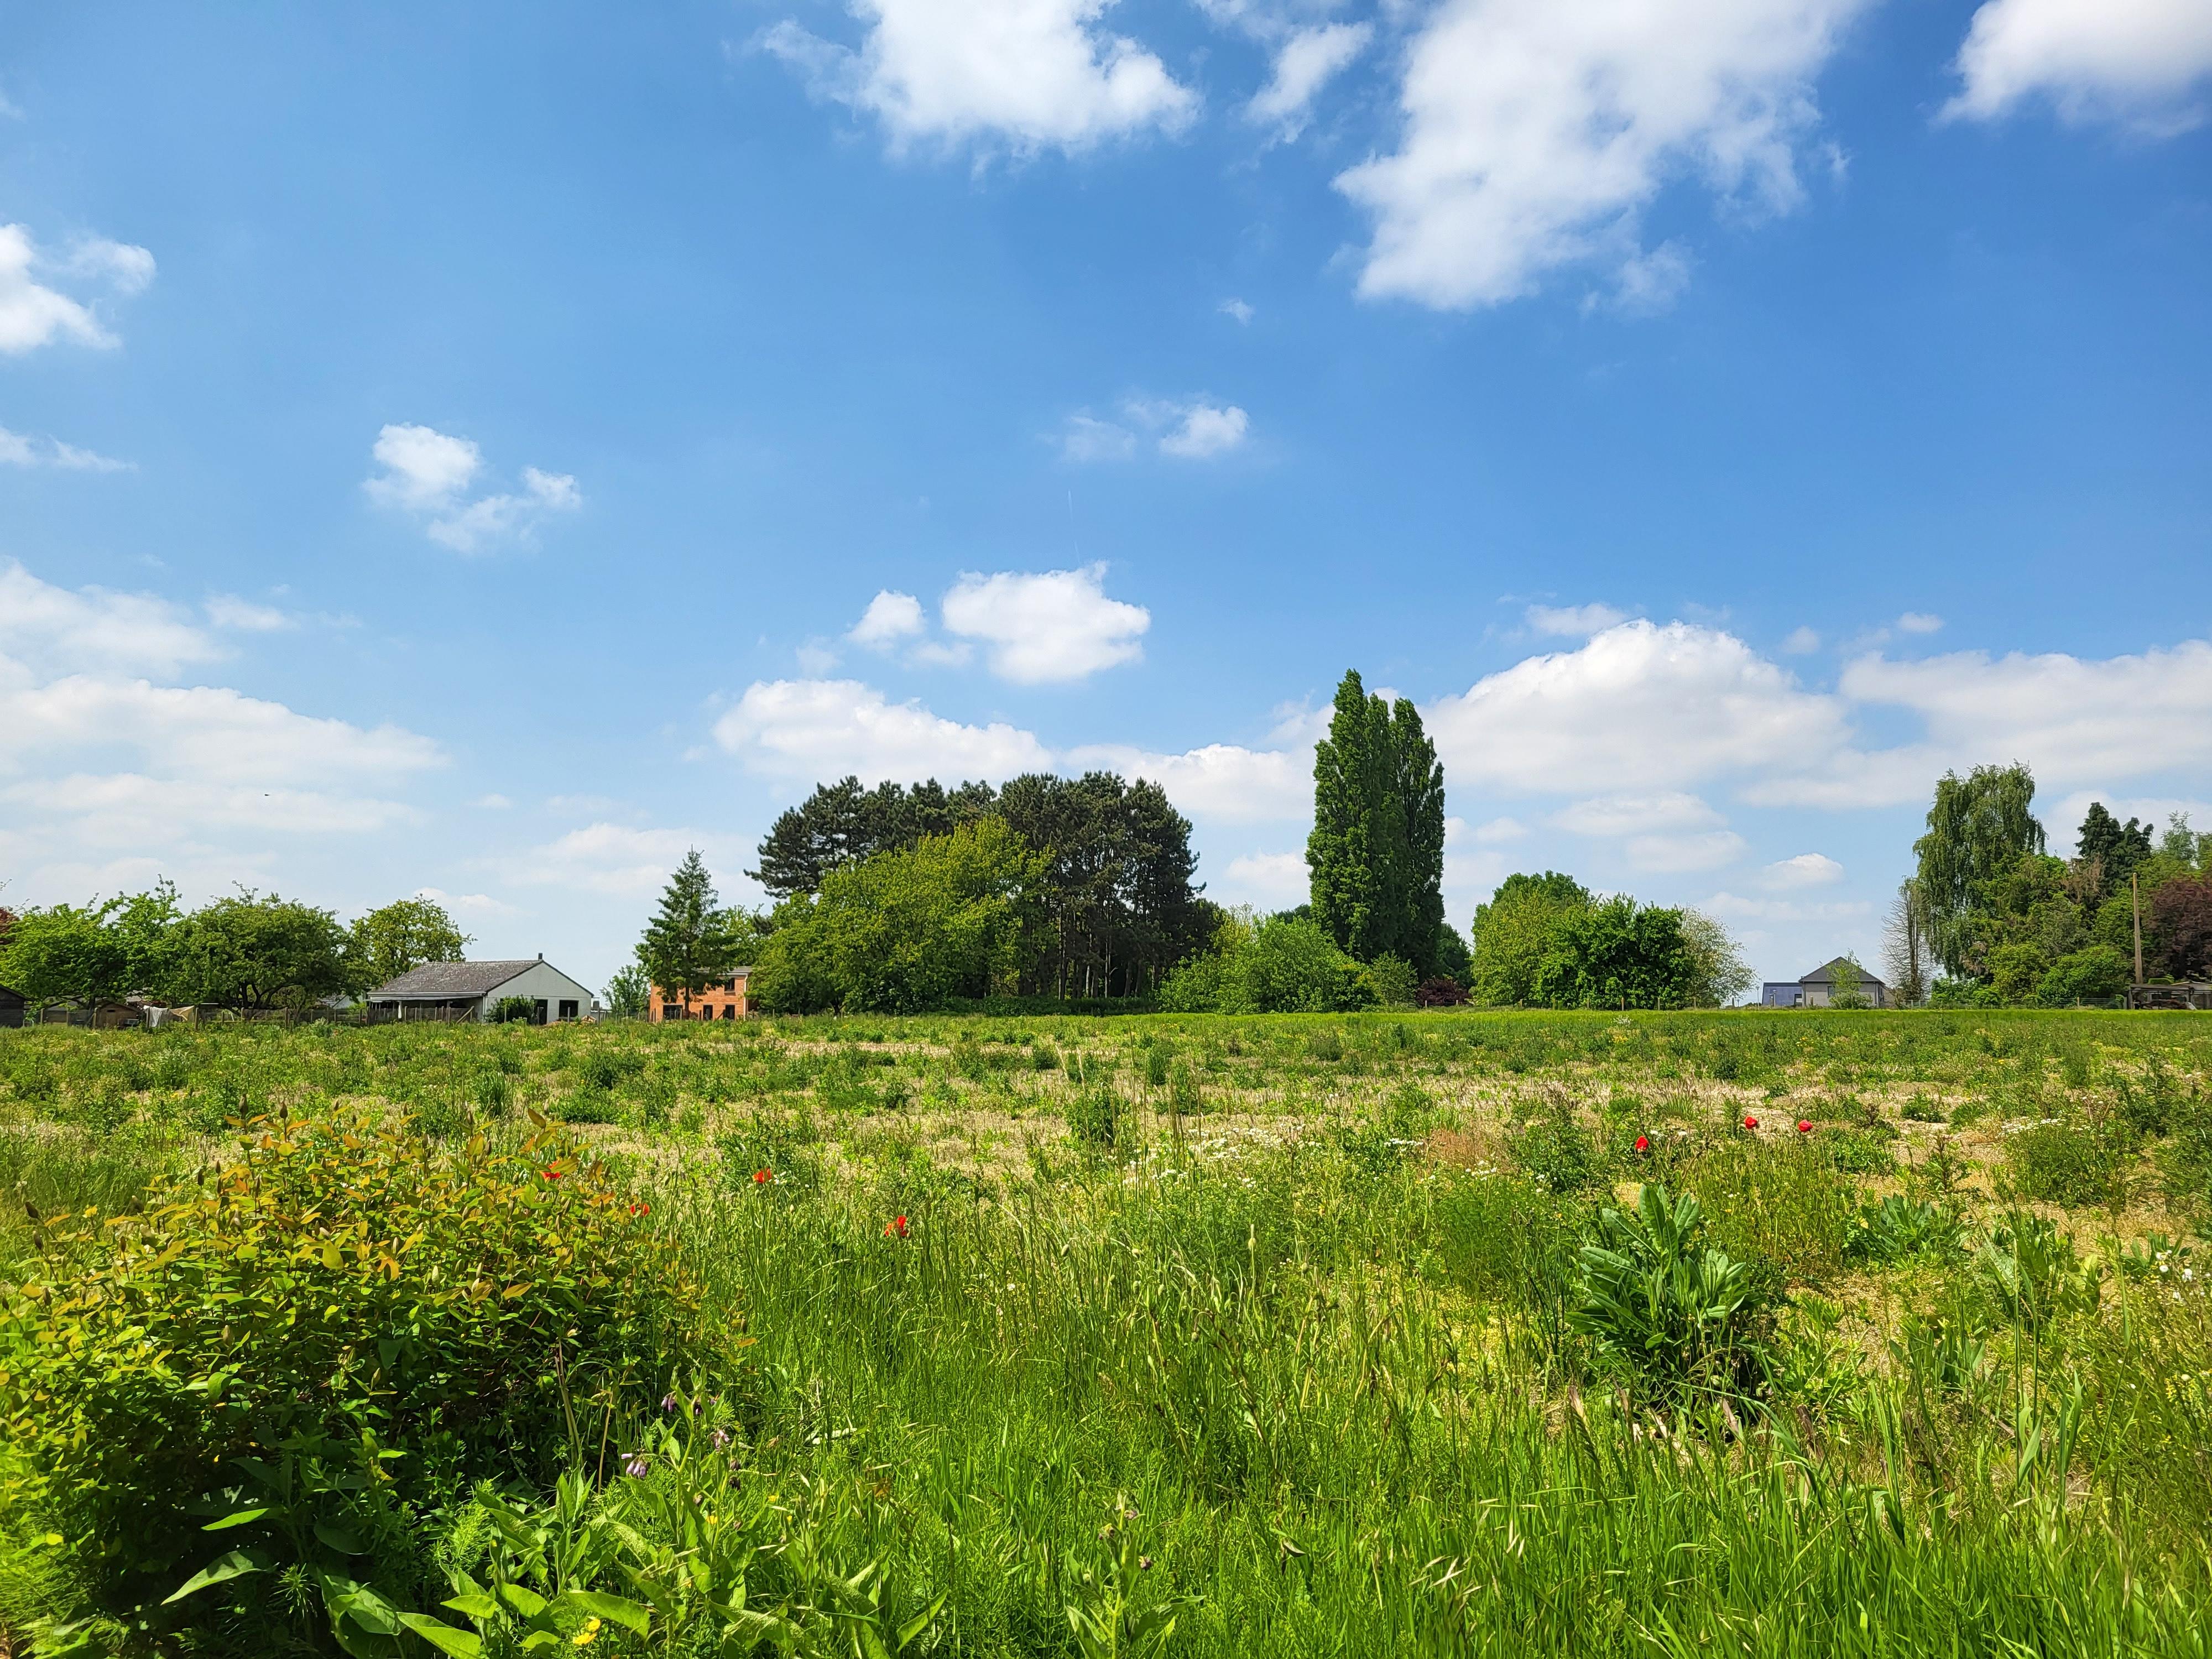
(488, 450)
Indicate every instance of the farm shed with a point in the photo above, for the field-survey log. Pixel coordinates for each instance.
(471, 990)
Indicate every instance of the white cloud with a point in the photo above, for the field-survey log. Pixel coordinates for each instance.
(1627, 815)
(1088, 439)
(804, 730)
(616, 860)
(32, 313)
(1237, 308)
(60, 630)
(1648, 284)
(1707, 851)
(1222, 782)
(94, 754)
(493, 803)
(1639, 706)
(2142, 63)
(1806, 870)
(1308, 60)
(1575, 621)
(815, 658)
(468, 904)
(228, 610)
(427, 472)
(423, 468)
(1802, 642)
(1734, 906)
(1029, 75)
(1535, 133)
(1268, 881)
(1048, 628)
(888, 618)
(17, 450)
(1498, 831)
(1919, 622)
(1205, 432)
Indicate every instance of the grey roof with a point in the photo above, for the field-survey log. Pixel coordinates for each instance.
(1826, 973)
(7, 996)
(451, 981)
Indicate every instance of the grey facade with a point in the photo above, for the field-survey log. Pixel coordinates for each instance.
(1818, 989)
(471, 990)
(11, 1007)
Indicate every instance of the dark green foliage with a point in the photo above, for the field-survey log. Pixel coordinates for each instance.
(2110, 849)
(2031, 1274)
(1681, 1321)
(1513, 931)
(1979, 827)
(692, 941)
(1095, 1116)
(2091, 977)
(1617, 954)
(405, 934)
(841, 824)
(1375, 852)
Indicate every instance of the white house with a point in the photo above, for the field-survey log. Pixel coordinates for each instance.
(471, 990)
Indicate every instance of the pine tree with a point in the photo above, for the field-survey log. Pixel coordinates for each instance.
(691, 942)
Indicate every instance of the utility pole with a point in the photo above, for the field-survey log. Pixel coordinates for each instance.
(2135, 904)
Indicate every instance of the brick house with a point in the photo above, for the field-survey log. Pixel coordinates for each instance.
(722, 1000)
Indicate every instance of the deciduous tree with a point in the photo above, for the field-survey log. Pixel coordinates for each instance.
(403, 935)
(1979, 827)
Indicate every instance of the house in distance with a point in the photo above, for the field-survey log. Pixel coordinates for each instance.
(1818, 989)
(724, 999)
(453, 991)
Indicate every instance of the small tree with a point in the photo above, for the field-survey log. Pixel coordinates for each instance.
(691, 942)
(403, 935)
(1904, 945)
(1849, 990)
(254, 952)
(629, 992)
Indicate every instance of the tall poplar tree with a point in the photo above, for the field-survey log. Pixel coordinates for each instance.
(1376, 854)
(691, 942)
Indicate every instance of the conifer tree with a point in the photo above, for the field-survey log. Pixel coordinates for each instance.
(691, 942)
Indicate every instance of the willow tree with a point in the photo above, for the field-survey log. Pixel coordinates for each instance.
(1979, 827)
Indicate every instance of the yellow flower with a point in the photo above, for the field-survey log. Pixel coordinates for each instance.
(589, 1634)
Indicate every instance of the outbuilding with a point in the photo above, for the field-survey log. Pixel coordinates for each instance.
(452, 991)
(11, 1007)
(1818, 989)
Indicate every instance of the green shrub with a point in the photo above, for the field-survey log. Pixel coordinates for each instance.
(1899, 1229)
(326, 1339)
(1094, 1117)
(1675, 1315)
(2074, 1161)
(1556, 1152)
(2095, 975)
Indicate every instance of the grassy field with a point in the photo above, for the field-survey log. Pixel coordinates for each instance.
(1298, 1334)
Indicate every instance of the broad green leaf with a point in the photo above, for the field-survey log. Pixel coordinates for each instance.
(527, 1602)
(237, 1519)
(461, 1643)
(476, 1605)
(236, 1564)
(343, 1542)
(613, 1608)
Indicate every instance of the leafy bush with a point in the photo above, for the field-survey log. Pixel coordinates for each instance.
(2094, 975)
(319, 1343)
(1394, 982)
(1675, 1314)
(513, 1010)
(2028, 1271)
(1555, 1151)
(1899, 1229)
(2072, 1160)
(1094, 1117)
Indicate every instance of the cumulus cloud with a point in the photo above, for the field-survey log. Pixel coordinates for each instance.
(1639, 706)
(428, 473)
(1732, 906)
(17, 450)
(888, 618)
(1307, 60)
(1497, 831)
(228, 610)
(803, 731)
(1574, 621)
(1625, 815)
(94, 752)
(33, 312)
(1224, 782)
(1919, 622)
(2145, 64)
(1535, 133)
(1205, 432)
(1671, 854)
(1268, 881)
(613, 859)
(1089, 439)
(1806, 870)
(1044, 629)
(1801, 642)
(1026, 74)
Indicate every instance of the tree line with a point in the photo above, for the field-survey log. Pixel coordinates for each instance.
(249, 952)
(2008, 924)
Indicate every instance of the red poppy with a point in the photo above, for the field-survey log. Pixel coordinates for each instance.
(1643, 1143)
(551, 1174)
(1804, 1125)
(762, 1177)
(1751, 1123)
(895, 1227)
